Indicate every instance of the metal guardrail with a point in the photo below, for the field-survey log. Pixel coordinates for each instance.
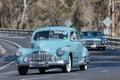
(114, 41)
(111, 41)
(17, 32)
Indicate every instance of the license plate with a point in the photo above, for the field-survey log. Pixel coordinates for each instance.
(38, 64)
(93, 45)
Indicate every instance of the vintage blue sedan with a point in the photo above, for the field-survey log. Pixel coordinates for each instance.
(93, 40)
(53, 47)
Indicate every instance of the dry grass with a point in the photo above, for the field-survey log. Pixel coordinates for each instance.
(85, 14)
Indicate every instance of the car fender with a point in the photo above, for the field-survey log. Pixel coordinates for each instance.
(67, 53)
(85, 55)
(24, 52)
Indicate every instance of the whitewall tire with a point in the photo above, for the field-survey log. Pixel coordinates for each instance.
(67, 67)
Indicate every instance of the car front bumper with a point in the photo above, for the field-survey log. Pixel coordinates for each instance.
(95, 46)
(44, 64)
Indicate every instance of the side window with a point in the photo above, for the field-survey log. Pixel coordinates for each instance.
(77, 35)
(74, 36)
(71, 36)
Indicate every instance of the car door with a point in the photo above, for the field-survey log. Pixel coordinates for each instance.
(79, 46)
(76, 46)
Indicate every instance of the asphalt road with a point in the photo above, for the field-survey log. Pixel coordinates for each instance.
(104, 65)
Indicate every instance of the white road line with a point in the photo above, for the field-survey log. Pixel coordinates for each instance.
(74, 74)
(11, 43)
(11, 61)
(35, 78)
(7, 65)
(104, 71)
(79, 79)
(50, 70)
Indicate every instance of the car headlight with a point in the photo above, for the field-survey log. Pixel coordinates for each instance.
(26, 59)
(18, 52)
(104, 42)
(60, 52)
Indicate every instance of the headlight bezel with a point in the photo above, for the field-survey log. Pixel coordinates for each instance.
(60, 52)
(104, 41)
(18, 52)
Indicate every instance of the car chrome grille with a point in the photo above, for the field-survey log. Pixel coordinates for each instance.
(39, 56)
(92, 42)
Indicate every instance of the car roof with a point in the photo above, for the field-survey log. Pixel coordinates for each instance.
(55, 28)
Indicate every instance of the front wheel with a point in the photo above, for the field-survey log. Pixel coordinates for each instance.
(67, 67)
(22, 70)
(42, 70)
(103, 48)
(83, 67)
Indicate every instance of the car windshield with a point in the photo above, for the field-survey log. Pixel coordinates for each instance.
(90, 34)
(54, 34)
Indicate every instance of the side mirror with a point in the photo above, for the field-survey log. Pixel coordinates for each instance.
(28, 37)
(81, 41)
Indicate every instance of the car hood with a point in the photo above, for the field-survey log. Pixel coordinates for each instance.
(91, 38)
(49, 44)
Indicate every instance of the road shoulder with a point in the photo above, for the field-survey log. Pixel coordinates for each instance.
(2, 51)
